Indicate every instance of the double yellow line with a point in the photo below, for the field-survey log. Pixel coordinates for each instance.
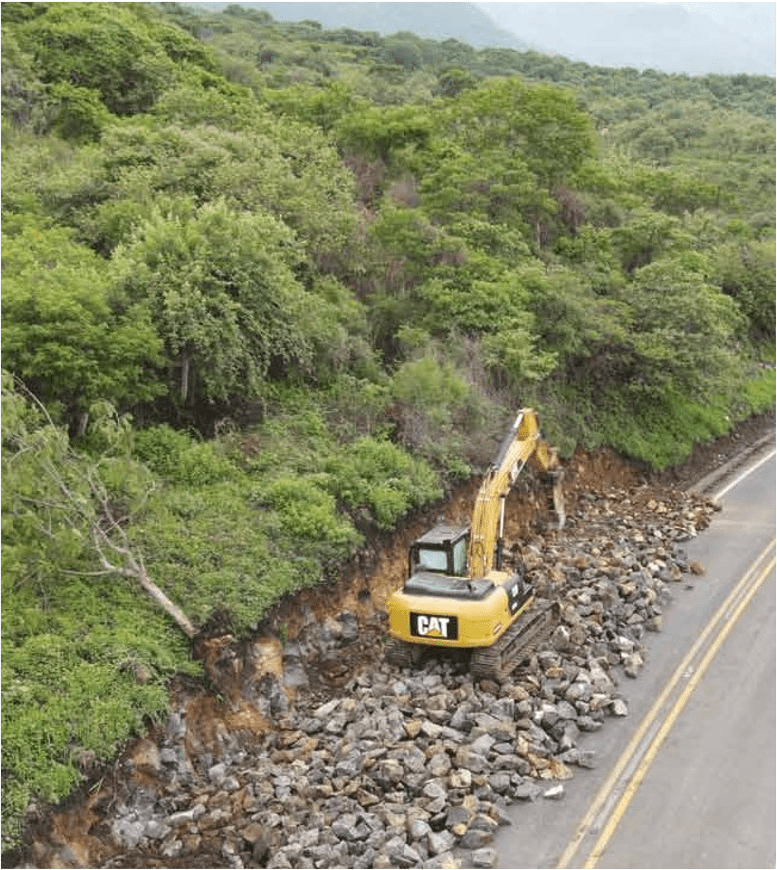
(633, 764)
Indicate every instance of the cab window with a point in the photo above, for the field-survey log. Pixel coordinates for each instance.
(432, 560)
(460, 557)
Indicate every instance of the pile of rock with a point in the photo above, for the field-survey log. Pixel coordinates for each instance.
(417, 768)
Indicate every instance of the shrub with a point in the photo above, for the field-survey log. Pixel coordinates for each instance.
(179, 459)
(379, 479)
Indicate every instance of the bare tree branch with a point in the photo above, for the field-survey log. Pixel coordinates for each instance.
(89, 511)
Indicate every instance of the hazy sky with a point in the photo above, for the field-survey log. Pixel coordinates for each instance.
(720, 10)
(695, 38)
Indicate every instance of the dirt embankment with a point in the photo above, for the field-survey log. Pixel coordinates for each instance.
(79, 833)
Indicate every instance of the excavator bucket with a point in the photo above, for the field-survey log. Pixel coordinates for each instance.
(554, 492)
(556, 501)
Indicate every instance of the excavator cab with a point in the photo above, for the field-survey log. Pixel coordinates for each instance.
(442, 550)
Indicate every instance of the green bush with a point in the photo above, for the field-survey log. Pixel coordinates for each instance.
(179, 459)
(380, 482)
(68, 684)
(307, 511)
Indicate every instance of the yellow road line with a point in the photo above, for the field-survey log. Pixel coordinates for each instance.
(671, 718)
(604, 793)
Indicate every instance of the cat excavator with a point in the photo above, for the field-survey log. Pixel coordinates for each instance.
(460, 592)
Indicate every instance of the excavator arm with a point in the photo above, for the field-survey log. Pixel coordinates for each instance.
(522, 444)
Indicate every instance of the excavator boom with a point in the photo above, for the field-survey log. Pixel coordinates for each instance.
(522, 443)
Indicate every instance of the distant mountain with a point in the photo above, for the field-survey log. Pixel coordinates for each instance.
(693, 38)
(438, 21)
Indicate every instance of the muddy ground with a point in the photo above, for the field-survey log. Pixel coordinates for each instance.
(362, 589)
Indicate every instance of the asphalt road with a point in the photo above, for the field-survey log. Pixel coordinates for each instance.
(688, 778)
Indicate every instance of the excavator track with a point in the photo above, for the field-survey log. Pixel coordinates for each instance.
(401, 654)
(517, 644)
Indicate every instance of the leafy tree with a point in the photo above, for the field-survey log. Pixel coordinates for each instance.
(222, 291)
(63, 334)
(646, 236)
(452, 81)
(683, 329)
(583, 329)
(101, 47)
(432, 401)
(198, 96)
(23, 101)
(541, 123)
(80, 115)
(380, 132)
(495, 185)
(746, 272)
(656, 143)
(403, 52)
(285, 168)
(322, 105)
(51, 178)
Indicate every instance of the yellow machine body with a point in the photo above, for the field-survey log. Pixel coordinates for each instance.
(476, 620)
(457, 593)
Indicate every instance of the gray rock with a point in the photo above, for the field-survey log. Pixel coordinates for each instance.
(439, 843)
(475, 838)
(526, 791)
(485, 857)
(619, 707)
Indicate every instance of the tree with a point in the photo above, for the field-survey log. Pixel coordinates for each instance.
(540, 123)
(380, 132)
(746, 273)
(452, 81)
(403, 52)
(92, 46)
(22, 91)
(80, 115)
(224, 297)
(63, 333)
(61, 499)
(323, 105)
(283, 167)
(646, 236)
(683, 329)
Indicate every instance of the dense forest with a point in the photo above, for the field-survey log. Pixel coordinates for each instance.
(269, 288)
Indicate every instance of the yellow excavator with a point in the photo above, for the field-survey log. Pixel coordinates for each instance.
(460, 593)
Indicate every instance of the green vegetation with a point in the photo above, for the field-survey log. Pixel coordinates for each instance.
(270, 288)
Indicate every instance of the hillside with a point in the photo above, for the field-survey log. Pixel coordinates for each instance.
(691, 38)
(439, 21)
(270, 290)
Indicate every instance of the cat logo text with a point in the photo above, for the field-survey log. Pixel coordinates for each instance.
(440, 627)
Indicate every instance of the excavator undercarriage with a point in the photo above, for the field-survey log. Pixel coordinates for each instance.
(517, 645)
(496, 662)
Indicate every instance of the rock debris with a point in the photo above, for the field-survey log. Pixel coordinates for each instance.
(380, 767)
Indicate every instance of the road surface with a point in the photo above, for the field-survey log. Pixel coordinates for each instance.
(688, 778)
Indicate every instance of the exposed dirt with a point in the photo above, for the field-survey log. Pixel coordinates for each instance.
(361, 588)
